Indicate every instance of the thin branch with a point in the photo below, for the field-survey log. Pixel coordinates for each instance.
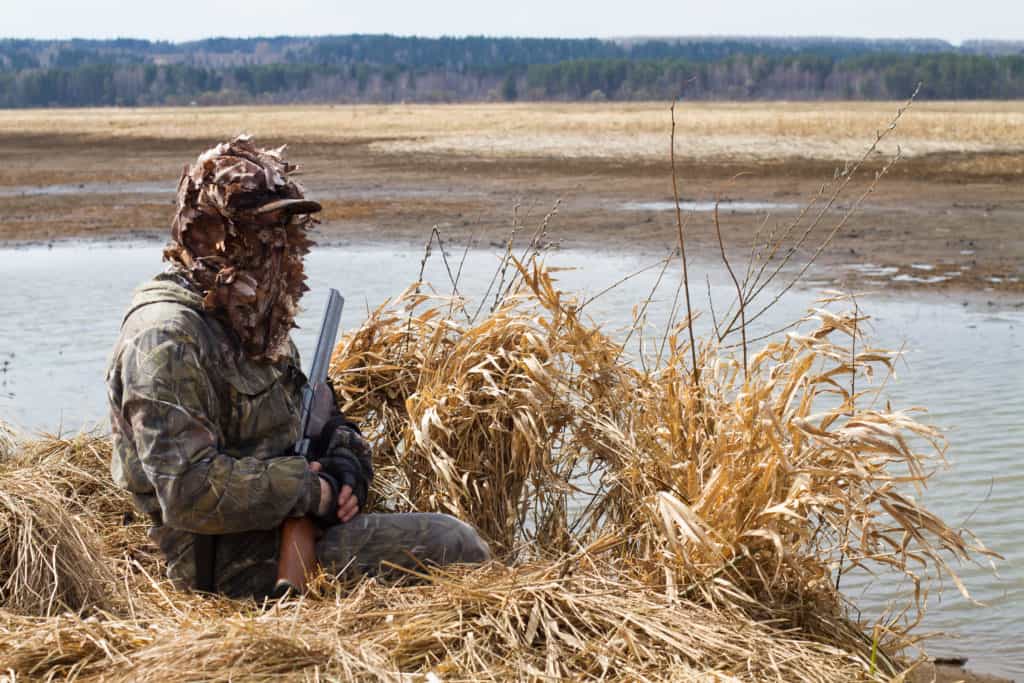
(671, 323)
(503, 263)
(768, 335)
(847, 175)
(451, 278)
(739, 290)
(623, 280)
(774, 246)
(711, 305)
(465, 252)
(507, 258)
(537, 244)
(853, 355)
(643, 309)
(682, 245)
(828, 240)
(419, 286)
(754, 247)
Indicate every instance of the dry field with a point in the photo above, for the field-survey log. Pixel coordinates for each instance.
(954, 201)
(763, 131)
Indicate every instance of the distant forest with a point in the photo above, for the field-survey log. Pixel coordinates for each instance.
(383, 68)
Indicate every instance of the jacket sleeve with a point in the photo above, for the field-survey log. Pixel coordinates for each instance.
(172, 408)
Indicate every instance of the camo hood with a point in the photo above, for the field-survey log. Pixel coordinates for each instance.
(239, 235)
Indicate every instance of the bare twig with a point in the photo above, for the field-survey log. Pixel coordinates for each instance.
(739, 289)
(419, 284)
(758, 285)
(671, 323)
(452, 279)
(680, 228)
(643, 308)
(711, 305)
(624, 279)
(502, 264)
(507, 258)
(827, 241)
(538, 242)
(853, 355)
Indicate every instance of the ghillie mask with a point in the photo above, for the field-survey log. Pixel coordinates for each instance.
(239, 235)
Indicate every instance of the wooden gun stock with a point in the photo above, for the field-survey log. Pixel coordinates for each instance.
(298, 555)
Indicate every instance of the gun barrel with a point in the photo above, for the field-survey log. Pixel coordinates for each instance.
(321, 360)
(327, 338)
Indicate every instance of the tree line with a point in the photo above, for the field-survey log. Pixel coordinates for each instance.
(391, 69)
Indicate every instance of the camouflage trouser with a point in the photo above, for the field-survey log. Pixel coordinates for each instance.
(407, 539)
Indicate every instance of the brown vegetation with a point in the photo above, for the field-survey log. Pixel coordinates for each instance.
(649, 524)
(687, 513)
(707, 131)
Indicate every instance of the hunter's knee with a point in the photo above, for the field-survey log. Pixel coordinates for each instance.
(464, 542)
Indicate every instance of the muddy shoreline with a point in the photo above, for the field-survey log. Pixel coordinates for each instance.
(923, 228)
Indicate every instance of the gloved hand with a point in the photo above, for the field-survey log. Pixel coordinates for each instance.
(340, 433)
(346, 456)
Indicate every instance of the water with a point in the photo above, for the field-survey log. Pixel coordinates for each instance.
(62, 306)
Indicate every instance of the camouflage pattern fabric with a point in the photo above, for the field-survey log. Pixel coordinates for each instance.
(407, 539)
(201, 437)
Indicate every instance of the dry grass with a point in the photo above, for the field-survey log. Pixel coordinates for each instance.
(740, 131)
(496, 623)
(8, 442)
(52, 555)
(531, 424)
(649, 526)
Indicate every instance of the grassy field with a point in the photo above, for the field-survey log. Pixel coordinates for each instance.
(762, 130)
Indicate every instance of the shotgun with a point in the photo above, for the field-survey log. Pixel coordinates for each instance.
(298, 535)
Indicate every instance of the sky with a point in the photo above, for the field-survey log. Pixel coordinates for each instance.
(180, 20)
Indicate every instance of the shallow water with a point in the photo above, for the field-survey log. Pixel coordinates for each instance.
(62, 306)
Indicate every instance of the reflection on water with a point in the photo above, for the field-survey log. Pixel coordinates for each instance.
(61, 309)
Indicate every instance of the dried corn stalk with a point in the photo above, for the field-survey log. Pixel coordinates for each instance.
(744, 490)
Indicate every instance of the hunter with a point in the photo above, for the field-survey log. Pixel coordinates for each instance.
(204, 390)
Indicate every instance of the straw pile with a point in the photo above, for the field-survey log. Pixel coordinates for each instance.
(654, 523)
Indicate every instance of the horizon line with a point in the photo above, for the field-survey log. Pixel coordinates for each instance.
(610, 39)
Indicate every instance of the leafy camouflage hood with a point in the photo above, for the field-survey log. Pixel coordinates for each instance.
(239, 236)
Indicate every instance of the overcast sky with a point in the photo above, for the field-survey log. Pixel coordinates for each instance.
(178, 20)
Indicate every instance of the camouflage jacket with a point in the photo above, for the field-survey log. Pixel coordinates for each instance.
(202, 435)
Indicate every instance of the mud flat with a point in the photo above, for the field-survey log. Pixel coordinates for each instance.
(946, 218)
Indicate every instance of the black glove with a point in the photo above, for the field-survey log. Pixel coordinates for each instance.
(346, 456)
(340, 432)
